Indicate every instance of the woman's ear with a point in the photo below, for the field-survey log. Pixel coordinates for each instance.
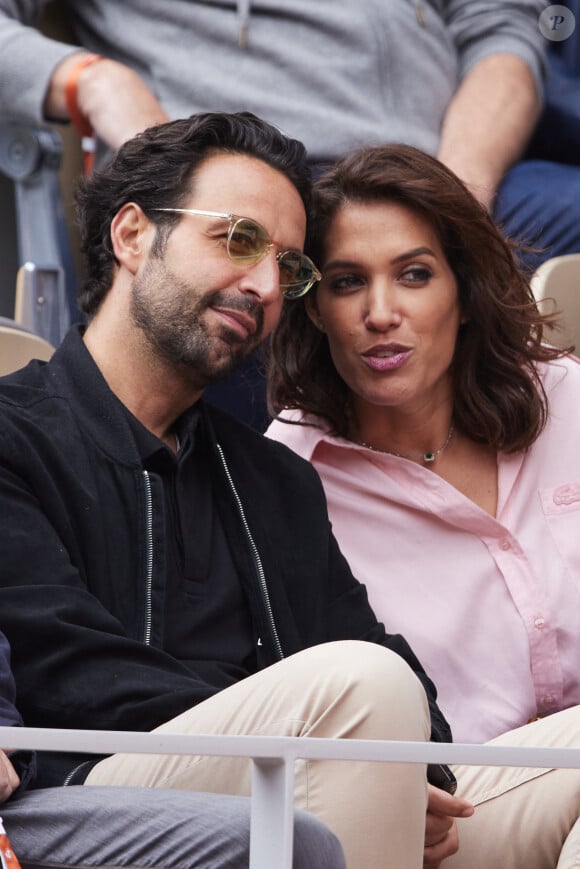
(130, 229)
(311, 305)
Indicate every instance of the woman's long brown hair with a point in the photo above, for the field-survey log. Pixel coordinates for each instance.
(498, 396)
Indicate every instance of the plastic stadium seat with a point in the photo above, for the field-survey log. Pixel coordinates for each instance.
(18, 346)
(556, 285)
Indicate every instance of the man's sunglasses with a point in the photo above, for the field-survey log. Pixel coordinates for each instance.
(248, 243)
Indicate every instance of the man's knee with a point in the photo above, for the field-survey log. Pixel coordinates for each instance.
(376, 686)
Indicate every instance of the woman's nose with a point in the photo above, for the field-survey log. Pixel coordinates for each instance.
(382, 308)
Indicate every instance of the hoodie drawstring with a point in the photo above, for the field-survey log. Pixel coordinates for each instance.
(244, 10)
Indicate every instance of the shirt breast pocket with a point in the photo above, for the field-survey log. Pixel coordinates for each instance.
(561, 506)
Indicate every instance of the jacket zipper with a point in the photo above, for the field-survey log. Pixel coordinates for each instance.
(74, 771)
(148, 558)
(256, 556)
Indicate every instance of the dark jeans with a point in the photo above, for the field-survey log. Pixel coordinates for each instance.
(539, 203)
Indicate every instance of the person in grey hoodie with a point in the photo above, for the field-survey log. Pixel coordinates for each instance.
(460, 79)
(457, 78)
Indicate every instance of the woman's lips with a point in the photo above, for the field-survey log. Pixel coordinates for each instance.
(386, 358)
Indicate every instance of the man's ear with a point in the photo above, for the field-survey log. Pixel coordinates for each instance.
(311, 305)
(130, 236)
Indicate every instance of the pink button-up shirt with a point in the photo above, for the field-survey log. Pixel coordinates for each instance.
(491, 606)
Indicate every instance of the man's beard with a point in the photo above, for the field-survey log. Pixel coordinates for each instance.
(170, 314)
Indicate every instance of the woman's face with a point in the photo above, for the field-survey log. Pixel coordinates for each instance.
(389, 307)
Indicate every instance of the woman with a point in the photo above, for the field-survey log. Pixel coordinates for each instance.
(446, 433)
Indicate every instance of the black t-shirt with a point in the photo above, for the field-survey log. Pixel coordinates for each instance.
(207, 617)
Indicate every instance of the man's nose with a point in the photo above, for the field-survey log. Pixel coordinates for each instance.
(263, 279)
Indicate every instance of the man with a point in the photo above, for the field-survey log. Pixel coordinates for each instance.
(132, 827)
(162, 565)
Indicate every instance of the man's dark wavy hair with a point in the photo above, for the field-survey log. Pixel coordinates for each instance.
(157, 168)
(499, 399)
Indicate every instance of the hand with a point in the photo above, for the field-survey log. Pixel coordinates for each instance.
(441, 837)
(117, 103)
(9, 780)
(115, 100)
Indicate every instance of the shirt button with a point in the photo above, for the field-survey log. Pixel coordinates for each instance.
(539, 623)
(505, 544)
(549, 700)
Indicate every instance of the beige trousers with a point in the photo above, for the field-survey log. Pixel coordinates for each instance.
(344, 689)
(524, 818)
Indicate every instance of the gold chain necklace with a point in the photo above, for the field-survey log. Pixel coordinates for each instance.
(427, 457)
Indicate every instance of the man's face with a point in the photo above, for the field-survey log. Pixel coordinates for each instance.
(195, 306)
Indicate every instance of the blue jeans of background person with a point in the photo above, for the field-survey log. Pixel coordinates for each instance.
(538, 203)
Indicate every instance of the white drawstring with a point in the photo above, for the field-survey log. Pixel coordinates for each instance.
(420, 13)
(244, 9)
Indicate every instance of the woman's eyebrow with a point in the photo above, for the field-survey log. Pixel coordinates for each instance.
(402, 257)
(417, 251)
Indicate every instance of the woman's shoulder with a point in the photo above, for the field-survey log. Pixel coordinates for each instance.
(298, 431)
(561, 377)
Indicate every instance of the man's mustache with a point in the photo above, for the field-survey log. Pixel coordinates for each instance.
(237, 302)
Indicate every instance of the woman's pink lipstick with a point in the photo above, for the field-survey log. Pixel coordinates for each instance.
(386, 358)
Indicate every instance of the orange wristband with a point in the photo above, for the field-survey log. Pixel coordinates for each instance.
(70, 94)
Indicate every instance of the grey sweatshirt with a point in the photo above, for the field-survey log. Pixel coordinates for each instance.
(334, 73)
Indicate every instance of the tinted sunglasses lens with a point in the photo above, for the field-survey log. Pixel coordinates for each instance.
(247, 241)
(296, 274)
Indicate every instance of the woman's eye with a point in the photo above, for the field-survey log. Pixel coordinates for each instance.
(344, 283)
(416, 275)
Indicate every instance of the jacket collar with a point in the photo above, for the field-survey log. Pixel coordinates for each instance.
(75, 375)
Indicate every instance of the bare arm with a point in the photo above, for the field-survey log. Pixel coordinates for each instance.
(489, 122)
(35, 67)
(117, 103)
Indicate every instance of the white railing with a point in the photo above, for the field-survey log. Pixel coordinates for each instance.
(273, 766)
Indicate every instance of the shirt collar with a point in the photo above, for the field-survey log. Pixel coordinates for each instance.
(149, 445)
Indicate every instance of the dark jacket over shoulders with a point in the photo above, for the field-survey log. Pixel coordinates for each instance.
(82, 551)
